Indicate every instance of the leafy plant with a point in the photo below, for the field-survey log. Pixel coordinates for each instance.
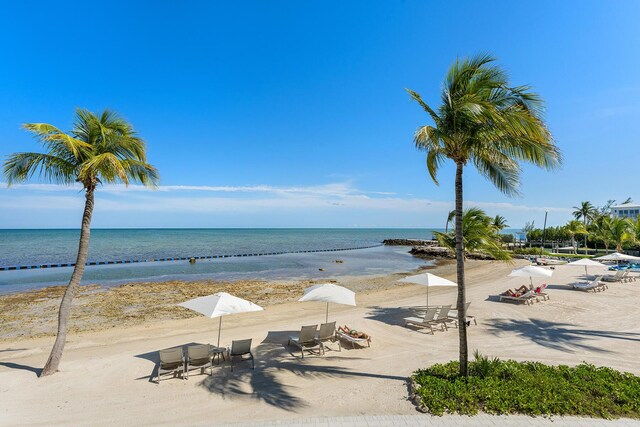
(508, 387)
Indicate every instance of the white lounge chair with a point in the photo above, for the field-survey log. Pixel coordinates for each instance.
(423, 322)
(596, 285)
(453, 314)
(306, 339)
(240, 349)
(617, 277)
(353, 340)
(327, 332)
(198, 356)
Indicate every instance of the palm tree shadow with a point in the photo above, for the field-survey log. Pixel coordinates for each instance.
(273, 357)
(19, 366)
(557, 336)
(390, 315)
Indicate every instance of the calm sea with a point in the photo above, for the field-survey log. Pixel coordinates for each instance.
(37, 247)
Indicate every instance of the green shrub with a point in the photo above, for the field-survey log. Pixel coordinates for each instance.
(509, 387)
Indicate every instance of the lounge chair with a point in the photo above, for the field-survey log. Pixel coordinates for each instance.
(239, 349)
(198, 356)
(528, 298)
(443, 317)
(617, 277)
(423, 322)
(171, 361)
(453, 314)
(328, 333)
(353, 340)
(540, 291)
(595, 286)
(306, 339)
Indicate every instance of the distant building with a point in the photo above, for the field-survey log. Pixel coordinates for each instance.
(628, 210)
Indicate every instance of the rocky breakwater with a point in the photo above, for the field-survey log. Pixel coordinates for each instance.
(409, 242)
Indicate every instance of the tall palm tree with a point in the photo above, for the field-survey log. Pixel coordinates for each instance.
(99, 149)
(479, 235)
(587, 212)
(484, 121)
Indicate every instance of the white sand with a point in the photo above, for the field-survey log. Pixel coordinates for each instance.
(104, 378)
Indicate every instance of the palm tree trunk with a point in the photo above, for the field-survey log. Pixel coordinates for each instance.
(65, 306)
(462, 325)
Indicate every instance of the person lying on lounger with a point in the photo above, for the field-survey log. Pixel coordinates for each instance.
(352, 332)
(516, 293)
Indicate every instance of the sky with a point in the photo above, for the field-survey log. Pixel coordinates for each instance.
(295, 114)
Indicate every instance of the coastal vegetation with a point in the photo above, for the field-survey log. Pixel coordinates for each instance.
(495, 386)
(480, 235)
(595, 226)
(100, 149)
(484, 121)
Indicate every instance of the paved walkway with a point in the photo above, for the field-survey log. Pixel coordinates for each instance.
(446, 421)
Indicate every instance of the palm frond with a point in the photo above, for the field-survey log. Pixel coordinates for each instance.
(20, 167)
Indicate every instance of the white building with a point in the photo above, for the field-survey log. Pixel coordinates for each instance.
(628, 210)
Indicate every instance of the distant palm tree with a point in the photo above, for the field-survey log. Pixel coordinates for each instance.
(479, 235)
(99, 149)
(573, 228)
(587, 212)
(484, 121)
(601, 230)
(500, 223)
(621, 232)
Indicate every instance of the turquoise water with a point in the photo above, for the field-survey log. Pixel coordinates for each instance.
(37, 247)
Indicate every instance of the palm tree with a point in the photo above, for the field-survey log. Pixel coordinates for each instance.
(484, 121)
(99, 149)
(573, 228)
(621, 230)
(479, 234)
(601, 230)
(500, 223)
(587, 212)
(450, 216)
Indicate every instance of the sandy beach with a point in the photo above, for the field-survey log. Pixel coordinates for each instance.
(107, 364)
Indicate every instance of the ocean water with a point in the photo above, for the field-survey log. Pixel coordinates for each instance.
(37, 247)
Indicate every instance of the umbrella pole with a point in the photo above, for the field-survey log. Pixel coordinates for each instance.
(327, 317)
(427, 297)
(219, 328)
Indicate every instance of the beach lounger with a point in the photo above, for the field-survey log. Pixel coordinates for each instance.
(353, 340)
(423, 322)
(171, 361)
(240, 349)
(444, 317)
(617, 277)
(306, 339)
(528, 298)
(540, 291)
(595, 286)
(198, 356)
(328, 333)
(453, 314)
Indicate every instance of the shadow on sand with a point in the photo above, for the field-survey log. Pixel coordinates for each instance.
(12, 365)
(393, 316)
(273, 357)
(555, 335)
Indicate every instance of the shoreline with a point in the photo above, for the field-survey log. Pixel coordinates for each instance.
(32, 313)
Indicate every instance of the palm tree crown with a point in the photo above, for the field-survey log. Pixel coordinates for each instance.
(484, 121)
(99, 149)
(586, 212)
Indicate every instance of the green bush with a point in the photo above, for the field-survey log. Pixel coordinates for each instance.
(532, 388)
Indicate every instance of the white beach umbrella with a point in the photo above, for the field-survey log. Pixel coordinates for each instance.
(218, 305)
(586, 262)
(617, 256)
(428, 280)
(328, 292)
(531, 271)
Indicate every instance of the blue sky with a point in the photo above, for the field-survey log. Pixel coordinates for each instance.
(294, 114)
